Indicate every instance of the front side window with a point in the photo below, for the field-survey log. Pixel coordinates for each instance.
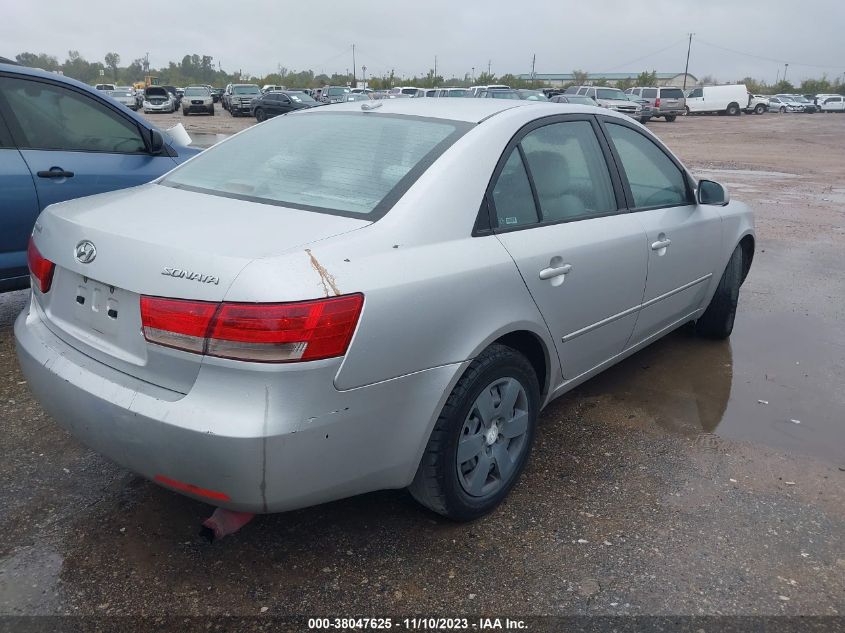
(372, 160)
(653, 178)
(569, 171)
(698, 92)
(56, 118)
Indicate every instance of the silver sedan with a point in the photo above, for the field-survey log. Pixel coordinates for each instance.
(271, 326)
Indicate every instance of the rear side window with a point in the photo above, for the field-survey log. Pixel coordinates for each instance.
(655, 180)
(512, 195)
(569, 171)
(671, 93)
(350, 163)
(649, 93)
(57, 118)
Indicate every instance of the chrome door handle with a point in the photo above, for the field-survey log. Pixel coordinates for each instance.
(656, 246)
(551, 273)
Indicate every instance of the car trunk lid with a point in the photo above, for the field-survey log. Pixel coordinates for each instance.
(158, 241)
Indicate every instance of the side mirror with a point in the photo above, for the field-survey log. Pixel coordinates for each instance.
(156, 142)
(710, 192)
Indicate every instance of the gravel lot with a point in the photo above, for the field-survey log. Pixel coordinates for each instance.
(662, 486)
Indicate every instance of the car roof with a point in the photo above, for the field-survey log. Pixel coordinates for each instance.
(468, 110)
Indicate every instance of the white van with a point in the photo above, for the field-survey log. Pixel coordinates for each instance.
(731, 99)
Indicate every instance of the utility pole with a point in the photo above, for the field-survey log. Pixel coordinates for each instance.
(473, 74)
(364, 70)
(533, 61)
(434, 79)
(489, 62)
(686, 68)
(785, 68)
(353, 65)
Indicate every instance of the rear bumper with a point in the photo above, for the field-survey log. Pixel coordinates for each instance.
(267, 439)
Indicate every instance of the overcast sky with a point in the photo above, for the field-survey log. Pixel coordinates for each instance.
(256, 36)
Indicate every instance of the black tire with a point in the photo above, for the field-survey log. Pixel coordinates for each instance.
(759, 108)
(686, 111)
(732, 110)
(260, 115)
(670, 118)
(782, 110)
(211, 110)
(436, 484)
(184, 112)
(718, 319)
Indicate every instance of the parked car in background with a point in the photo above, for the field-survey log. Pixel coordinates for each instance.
(647, 111)
(430, 92)
(807, 106)
(453, 92)
(474, 90)
(157, 99)
(611, 98)
(62, 139)
(124, 95)
(835, 103)
(296, 363)
(197, 99)
(574, 99)
(273, 103)
(270, 87)
(334, 94)
(819, 99)
(357, 96)
(217, 94)
(532, 95)
(104, 87)
(498, 93)
(783, 104)
(665, 101)
(730, 99)
(237, 98)
(757, 104)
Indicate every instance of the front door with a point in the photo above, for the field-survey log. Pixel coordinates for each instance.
(584, 261)
(681, 234)
(74, 145)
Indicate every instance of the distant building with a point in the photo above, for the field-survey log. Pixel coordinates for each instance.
(556, 80)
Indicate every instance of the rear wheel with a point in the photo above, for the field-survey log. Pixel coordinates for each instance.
(686, 111)
(782, 109)
(732, 110)
(670, 118)
(211, 109)
(718, 320)
(482, 439)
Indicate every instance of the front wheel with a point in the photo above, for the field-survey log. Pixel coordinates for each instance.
(759, 108)
(670, 118)
(184, 112)
(483, 437)
(211, 110)
(260, 115)
(718, 319)
(782, 110)
(686, 111)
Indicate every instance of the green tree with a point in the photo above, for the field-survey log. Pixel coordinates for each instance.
(41, 60)
(754, 86)
(624, 84)
(782, 87)
(646, 78)
(579, 77)
(113, 62)
(815, 86)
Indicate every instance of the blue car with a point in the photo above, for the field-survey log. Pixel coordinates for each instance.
(61, 139)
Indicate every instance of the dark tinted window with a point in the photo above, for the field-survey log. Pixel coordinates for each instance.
(671, 93)
(569, 171)
(649, 93)
(54, 117)
(512, 195)
(698, 92)
(654, 179)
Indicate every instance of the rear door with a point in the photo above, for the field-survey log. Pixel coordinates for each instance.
(17, 212)
(75, 145)
(556, 209)
(684, 238)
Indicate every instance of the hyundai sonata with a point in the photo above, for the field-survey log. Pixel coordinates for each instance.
(272, 325)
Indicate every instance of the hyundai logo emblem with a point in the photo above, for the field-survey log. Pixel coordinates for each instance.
(85, 252)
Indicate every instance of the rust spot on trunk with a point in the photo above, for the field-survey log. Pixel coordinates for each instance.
(326, 278)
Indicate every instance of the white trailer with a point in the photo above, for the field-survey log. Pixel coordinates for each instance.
(731, 99)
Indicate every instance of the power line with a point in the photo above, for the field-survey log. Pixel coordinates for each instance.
(761, 57)
(634, 61)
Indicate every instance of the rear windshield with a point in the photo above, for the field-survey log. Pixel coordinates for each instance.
(334, 92)
(650, 93)
(346, 163)
(672, 93)
(610, 93)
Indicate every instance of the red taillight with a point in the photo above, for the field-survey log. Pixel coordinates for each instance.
(262, 332)
(40, 267)
(657, 102)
